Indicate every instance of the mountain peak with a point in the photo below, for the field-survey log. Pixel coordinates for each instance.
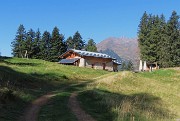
(126, 48)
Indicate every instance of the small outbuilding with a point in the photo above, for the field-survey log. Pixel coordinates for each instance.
(148, 66)
(88, 59)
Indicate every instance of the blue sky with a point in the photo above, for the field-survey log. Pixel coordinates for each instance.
(96, 19)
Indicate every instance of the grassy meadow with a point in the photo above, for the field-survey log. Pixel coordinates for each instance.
(107, 96)
(23, 80)
(127, 96)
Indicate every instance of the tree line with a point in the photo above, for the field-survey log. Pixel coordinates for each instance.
(159, 40)
(48, 46)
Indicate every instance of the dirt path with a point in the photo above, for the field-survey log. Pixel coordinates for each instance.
(32, 111)
(75, 107)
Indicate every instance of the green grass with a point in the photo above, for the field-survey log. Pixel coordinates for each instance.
(128, 96)
(123, 96)
(24, 80)
(57, 110)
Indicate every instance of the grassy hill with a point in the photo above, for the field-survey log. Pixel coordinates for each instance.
(128, 96)
(23, 80)
(122, 96)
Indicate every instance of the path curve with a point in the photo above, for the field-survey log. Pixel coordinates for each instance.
(80, 114)
(32, 111)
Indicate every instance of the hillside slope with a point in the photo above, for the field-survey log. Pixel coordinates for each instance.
(24, 80)
(127, 96)
(126, 48)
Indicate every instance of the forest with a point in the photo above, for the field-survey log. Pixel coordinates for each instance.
(47, 46)
(159, 40)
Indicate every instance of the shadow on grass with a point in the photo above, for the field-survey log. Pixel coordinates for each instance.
(11, 106)
(4, 60)
(108, 106)
(19, 89)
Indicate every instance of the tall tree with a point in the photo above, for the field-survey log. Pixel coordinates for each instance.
(29, 44)
(162, 51)
(142, 35)
(18, 46)
(77, 41)
(173, 40)
(36, 45)
(159, 41)
(91, 46)
(57, 45)
(153, 39)
(70, 43)
(45, 46)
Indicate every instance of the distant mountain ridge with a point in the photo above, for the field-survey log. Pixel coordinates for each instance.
(126, 48)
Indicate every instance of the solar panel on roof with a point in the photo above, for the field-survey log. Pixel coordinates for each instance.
(66, 61)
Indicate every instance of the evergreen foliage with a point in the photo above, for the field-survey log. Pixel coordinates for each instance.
(57, 45)
(18, 46)
(91, 46)
(29, 43)
(159, 40)
(127, 66)
(47, 46)
(75, 42)
(69, 43)
(36, 45)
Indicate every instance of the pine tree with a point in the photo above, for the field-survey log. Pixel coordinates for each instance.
(77, 41)
(45, 46)
(173, 40)
(123, 66)
(159, 41)
(36, 45)
(153, 39)
(18, 47)
(162, 51)
(70, 43)
(91, 46)
(129, 66)
(142, 36)
(57, 45)
(29, 44)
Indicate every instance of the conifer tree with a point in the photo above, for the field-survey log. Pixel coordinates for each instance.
(142, 36)
(153, 39)
(36, 45)
(173, 40)
(162, 51)
(70, 43)
(77, 41)
(29, 44)
(57, 45)
(129, 66)
(159, 41)
(18, 46)
(91, 46)
(45, 46)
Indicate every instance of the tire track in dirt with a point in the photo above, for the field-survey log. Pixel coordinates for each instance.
(80, 114)
(32, 111)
